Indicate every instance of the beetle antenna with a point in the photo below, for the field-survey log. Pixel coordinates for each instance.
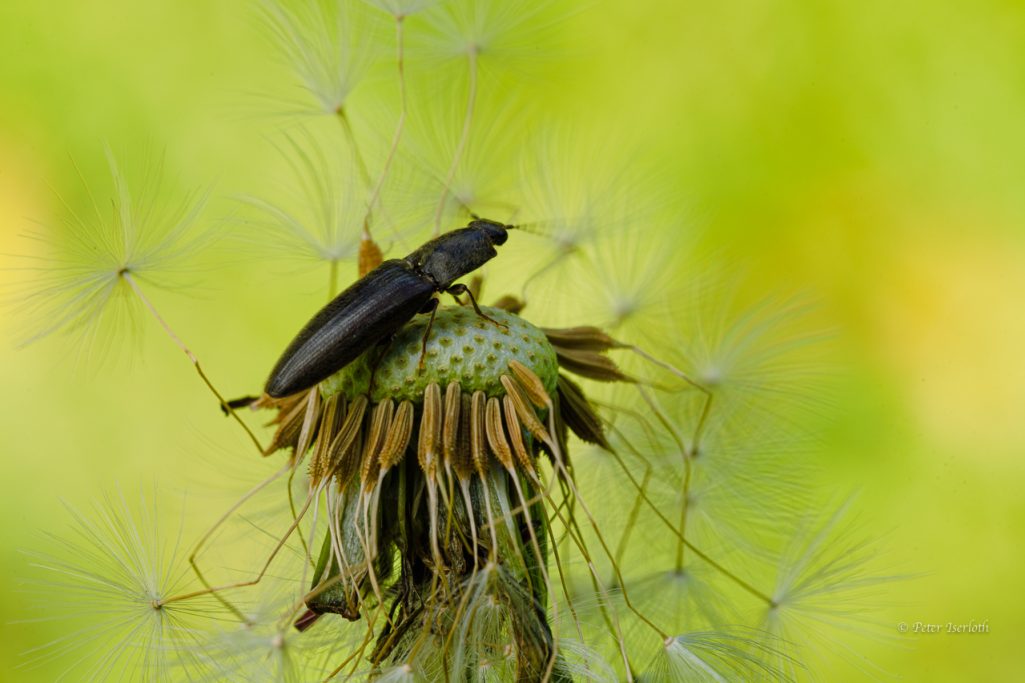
(499, 206)
(532, 227)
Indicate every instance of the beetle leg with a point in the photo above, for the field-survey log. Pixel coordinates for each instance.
(236, 403)
(430, 307)
(456, 290)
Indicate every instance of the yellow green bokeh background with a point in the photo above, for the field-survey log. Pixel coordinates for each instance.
(870, 155)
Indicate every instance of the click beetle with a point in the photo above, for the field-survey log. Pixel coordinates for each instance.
(382, 301)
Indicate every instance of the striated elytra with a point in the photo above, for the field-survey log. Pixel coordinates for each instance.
(381, 302)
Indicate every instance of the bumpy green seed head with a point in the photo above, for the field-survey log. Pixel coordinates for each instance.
(463, 347)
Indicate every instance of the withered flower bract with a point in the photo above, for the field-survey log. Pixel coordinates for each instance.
(436, 486)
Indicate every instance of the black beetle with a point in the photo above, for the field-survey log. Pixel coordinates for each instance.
(381, 302)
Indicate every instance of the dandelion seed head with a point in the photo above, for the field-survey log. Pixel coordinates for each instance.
(484, 177)
(500, 34)
(763, 360)
(318, 219)
(711, 376)
(328, 46)
(575, 199)
(828, 592)
(690, 597)
(114, 573)
(633, 278)
(81, 287)
(715, 657)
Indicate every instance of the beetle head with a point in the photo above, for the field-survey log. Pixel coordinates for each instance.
(497, 232)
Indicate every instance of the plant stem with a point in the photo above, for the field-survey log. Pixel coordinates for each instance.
(464, 136)
(343, 118)
(127, 276)
(376, 193)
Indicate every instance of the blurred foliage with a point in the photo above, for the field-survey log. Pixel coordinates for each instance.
(867, 156)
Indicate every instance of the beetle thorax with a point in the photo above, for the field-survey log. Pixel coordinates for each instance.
(447, 258)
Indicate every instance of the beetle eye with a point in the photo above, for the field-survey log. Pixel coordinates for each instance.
(499, 235)
(497, 232)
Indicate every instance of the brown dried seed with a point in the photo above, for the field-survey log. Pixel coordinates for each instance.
(578, 414)
(591, 365)
(282, 405)
(369, 256)
(463, 463)
(496, 433)
(560, 426)
(398, 436)
(531, 384)
(525, 412)
(325, 434)
(379, 424)
(348, 467)
(310, 423)
(339, 461)
(514, 430)
(584, 338)
(478, 448)
(450, 429)
(267, 401)
(430, 430)
(331, 423)
(291, 422)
